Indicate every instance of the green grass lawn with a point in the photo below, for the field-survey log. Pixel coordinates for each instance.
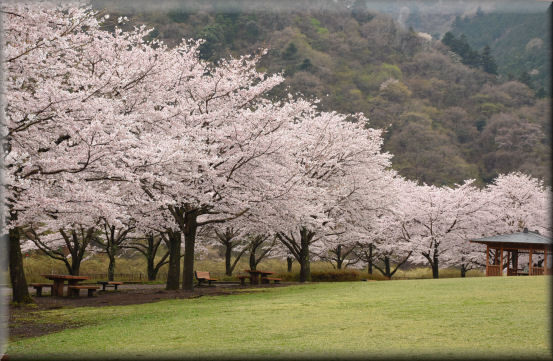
(491, 317)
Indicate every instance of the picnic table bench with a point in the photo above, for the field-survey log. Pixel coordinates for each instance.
(255, 275)
(38, 287)
(269, 279)
(202, 276)
(242, 279)
(75, 290)
(109, 284)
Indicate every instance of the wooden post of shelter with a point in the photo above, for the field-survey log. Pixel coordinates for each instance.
(508, 262)
(530, 263)
(501, 261)
(487, 259)
(545, 272)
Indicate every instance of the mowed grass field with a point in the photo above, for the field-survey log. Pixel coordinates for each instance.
(446, 318)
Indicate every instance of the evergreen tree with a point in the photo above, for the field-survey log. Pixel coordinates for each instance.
(462, 48)
(525, 79)
(488, 62)
(306, 65)
(541, 93)
(290, 51)
(449, 40)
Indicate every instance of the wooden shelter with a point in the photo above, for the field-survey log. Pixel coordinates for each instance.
(502, 252)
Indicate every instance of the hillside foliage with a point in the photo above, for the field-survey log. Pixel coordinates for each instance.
(445, 121)
(520, 42)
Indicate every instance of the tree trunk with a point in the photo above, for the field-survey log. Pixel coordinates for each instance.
(289, 261)
(339, 259)
(191, 226)
(514, 259)
(463, 270)
(173, 273)
(305, 266)
(435, 273)
(78, 249)
(388, 272)
(152, 271)
(370, 266)
(228, 254)
(69, 267)
(253, 264)
(305, 271)
(20, 292)
(300, 252)
(150, 253)
(111, 267)
(150, 258)
(75, 266)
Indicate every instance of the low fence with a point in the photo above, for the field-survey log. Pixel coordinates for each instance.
(536, 271)
(135, 276)
(493, 270)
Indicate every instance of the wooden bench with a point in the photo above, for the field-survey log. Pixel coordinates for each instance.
(109, 284)
(269, 279)
(74, 290)
(38, 287)
(202, 276)
(242, 279)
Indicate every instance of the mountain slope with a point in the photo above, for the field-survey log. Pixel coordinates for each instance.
(520, 42)
(445, 122)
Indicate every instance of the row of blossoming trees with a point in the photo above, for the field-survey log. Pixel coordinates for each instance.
(112, 142)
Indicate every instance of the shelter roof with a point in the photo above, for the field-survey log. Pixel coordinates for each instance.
(525, 237)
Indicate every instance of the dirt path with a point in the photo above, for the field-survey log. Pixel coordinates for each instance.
(30, 322)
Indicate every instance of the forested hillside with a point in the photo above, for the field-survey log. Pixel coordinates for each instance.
(445, 121)
(520, 42)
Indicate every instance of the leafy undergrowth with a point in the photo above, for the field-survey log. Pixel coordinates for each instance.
(446, 318)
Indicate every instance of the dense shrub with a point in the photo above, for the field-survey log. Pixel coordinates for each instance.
(331, 275)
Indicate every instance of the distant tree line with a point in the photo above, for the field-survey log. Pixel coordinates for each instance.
(468, 55)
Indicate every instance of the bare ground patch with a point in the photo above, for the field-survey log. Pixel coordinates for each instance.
(30, 321)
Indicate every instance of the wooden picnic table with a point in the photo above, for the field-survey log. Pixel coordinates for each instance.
(59, 280)
(255, 275)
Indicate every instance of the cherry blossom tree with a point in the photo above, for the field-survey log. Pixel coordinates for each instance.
(231, 239)
(260, 247)
(113, 241)
(359, 214)
(211, 183)
(68, 101)
(59, 217)
(149, 247)
(328, 154)
(365, 253)
(383, 243)
(212, 156)
(341, 256)
(435, 216)
(519, 201)
(390, 243)
(466, 255)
